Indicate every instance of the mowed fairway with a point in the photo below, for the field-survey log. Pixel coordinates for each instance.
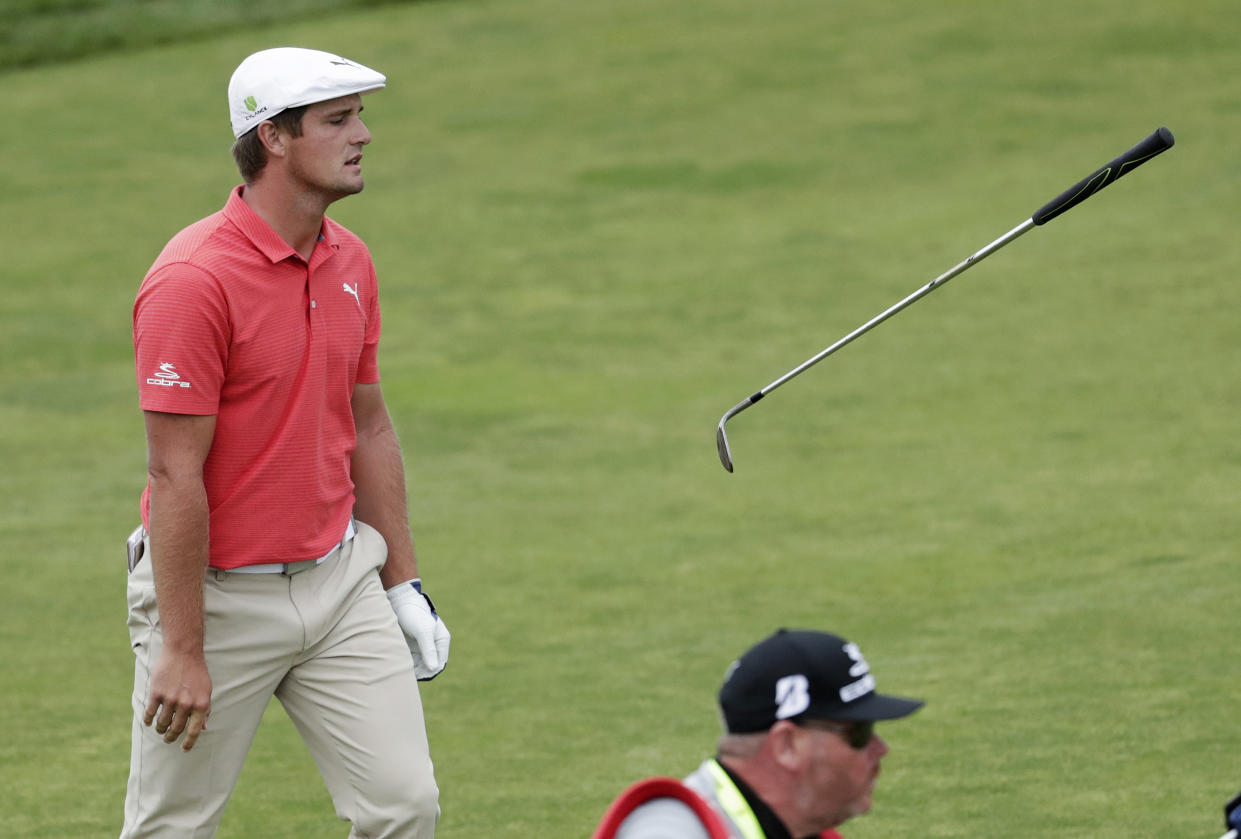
(600, 225)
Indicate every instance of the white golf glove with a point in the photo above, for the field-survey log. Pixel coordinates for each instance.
(425, 633)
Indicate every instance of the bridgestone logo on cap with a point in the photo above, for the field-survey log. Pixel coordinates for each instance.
(792, 696)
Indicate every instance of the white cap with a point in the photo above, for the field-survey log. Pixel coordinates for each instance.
(275, 80)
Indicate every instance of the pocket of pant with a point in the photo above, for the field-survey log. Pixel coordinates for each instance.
(143, 614)
(372, 543)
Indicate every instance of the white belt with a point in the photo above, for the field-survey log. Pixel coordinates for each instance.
(291, 568)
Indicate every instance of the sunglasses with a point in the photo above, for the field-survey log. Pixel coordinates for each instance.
(857, 734)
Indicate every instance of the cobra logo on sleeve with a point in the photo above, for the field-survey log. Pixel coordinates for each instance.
(167, 376)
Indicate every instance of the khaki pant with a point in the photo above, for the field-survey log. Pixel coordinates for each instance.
(325, 642)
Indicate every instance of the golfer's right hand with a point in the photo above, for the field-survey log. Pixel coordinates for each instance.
(180, 697)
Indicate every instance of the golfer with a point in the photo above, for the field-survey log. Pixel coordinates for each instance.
(798, 757)
(274, 517)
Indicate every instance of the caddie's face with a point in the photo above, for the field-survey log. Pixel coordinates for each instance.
(839, 780)
(327, 157)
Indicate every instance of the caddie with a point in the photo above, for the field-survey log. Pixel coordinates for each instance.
(799, 755)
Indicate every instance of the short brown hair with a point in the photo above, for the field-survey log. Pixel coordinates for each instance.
(248, 150)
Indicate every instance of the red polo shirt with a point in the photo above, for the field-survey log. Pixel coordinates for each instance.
(231, 321)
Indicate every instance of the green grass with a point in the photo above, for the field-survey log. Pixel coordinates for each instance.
(600, 225)
(39, 32)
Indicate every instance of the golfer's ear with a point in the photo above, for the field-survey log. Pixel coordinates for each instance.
(271, 138)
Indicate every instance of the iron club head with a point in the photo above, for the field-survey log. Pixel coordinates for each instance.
(721, 438)
(721, 445)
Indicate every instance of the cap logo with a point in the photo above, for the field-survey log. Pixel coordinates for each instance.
(251, 103)
(792, 696)
(858, 689)
(862, 686)
(859, 663)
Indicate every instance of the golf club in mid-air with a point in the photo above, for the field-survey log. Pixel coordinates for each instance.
(1161, 140)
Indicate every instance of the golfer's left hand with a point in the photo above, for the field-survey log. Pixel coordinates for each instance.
(427, 636)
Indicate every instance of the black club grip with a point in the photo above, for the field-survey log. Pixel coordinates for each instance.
(1160, 141)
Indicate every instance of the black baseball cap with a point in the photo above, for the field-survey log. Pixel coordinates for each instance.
(804, 673)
